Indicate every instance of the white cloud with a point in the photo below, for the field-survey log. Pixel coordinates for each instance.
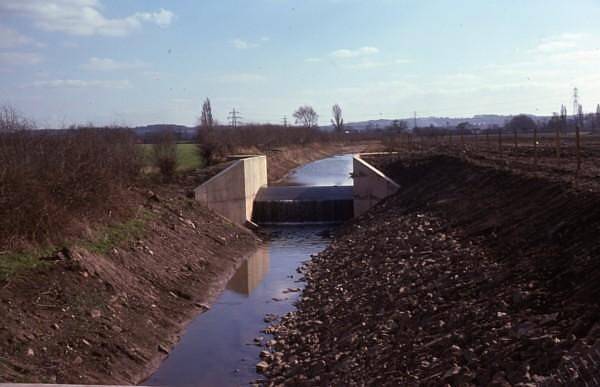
(402, 61)
(78, 84)
(346, 53)
(313, 60)
(367, 65)
(559, 43)
(107, 64)
(242, 44)
(580, 57)
(241, 78)
(10, 38)
(19, 58)
(162, 18)
(81, 17)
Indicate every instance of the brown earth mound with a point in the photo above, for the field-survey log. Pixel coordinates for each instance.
(469, 276)
(108, 311)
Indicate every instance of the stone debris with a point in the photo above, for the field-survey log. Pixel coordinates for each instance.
(400, 299)
(262, 366)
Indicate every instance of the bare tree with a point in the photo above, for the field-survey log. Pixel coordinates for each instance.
(208, 145)
(206, 119)
(12, 121)
(337, 121)
(398, 126)
(563, 118)
(306, 116)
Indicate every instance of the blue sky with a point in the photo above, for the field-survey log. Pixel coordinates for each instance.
(138, 62)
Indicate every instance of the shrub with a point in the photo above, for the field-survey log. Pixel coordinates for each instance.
(49, 179)
(164, 154)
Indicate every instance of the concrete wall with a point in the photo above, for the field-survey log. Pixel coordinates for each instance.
(231, 193)
(370, 186)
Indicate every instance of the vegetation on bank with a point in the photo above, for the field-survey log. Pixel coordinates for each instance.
(187, 156)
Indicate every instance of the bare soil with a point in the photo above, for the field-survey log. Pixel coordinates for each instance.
(109, 317)
(474, 274)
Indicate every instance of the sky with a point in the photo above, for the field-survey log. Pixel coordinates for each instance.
(140, 62)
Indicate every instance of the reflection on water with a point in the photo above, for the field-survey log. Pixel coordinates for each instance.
(333, 171)
(251, 273)
(218, 348)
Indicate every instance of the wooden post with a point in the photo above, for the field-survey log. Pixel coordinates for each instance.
(578, 141)
(557, 141)
(516, 139)
(500, 140)
(535, 146)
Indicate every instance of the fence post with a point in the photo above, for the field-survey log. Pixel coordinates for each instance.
(535, 147)
(500, 141)
(578, 141)
(557, 141)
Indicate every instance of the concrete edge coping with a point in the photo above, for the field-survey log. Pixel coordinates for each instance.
(237, 159)
(358, 158)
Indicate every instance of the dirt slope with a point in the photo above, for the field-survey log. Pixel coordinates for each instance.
(469, 276)
(104, 314)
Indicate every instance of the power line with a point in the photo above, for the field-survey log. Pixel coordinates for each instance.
(234, 118)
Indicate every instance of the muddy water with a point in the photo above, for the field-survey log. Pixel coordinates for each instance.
(218, 347)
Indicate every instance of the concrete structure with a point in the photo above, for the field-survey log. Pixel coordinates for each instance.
(231, 193)
(303, 204)
(370, 185)
(240, 193)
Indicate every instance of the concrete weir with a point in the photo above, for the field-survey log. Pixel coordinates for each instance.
(240, 193)
(299, 204)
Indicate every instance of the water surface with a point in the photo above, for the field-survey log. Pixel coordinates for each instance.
(332, 171)
(218, 347)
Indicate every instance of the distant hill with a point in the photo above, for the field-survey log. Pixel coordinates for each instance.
(186, 133)
(182, 132)
(480, 121)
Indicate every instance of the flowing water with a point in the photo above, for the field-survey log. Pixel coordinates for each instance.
(332, 171)
(218, 347)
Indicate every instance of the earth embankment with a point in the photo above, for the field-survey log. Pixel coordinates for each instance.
(470, 275)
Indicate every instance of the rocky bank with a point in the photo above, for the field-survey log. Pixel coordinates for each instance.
(469, 276)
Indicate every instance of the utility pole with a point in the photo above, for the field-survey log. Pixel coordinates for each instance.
(234, 118)
(415, 120)
(285, 121)
(575, 102)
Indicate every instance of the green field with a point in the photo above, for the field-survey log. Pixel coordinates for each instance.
(187, 156)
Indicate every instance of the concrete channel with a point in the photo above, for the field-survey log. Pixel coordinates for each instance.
(240, 193)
